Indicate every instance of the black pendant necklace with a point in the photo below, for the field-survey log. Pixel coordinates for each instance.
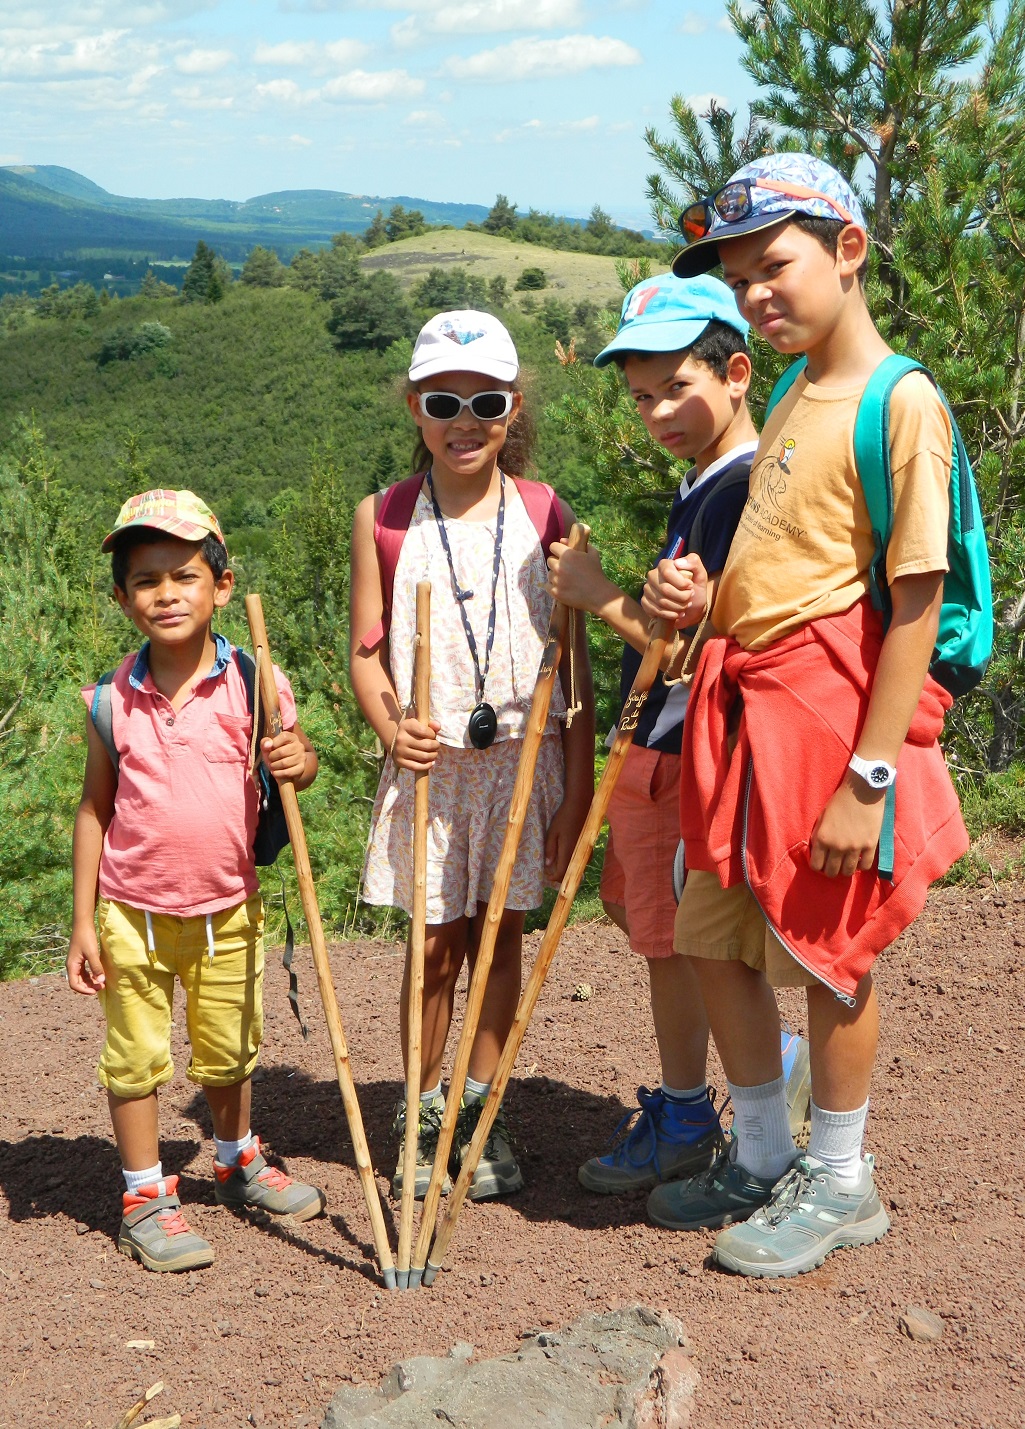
(482, 725)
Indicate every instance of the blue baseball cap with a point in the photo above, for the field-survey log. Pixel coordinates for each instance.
(668, 314)
(763, 193)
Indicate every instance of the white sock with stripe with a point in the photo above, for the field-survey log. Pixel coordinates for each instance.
(763, 1128)
(836, 1140)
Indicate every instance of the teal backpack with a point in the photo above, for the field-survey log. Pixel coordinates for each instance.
(964, 641)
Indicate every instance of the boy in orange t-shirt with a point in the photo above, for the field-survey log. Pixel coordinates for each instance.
(804, 711)
(165, 837)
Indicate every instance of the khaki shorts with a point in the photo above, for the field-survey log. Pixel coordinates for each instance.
(223, 996)
(727, 925)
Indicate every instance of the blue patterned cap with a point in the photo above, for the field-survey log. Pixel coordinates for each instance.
(779, 186)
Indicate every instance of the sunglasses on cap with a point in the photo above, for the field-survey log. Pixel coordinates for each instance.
(734, 202)
(485, 406)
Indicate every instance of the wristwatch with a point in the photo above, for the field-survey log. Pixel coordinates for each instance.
(876, 773)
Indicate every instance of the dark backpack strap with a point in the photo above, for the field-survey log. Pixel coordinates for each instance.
(697, 530)
(544, 510)
(784, 383)
(390, 526)
(103, 718)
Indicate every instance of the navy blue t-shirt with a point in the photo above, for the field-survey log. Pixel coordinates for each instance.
(721, 502)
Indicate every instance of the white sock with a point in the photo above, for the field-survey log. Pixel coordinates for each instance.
(228, 1152)
(135, 1180)
(836, 1138)
(763, 1127)
(428, 1097)
(477, 1089)
(685, 1094)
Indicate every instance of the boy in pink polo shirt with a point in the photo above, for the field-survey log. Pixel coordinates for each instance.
(165, 838)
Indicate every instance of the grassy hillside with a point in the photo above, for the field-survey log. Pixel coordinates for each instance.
(572, 277)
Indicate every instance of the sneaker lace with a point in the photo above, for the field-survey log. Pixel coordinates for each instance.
(429, 1128)
(275, 1178)
(466, 1125)
(786, 1193)
(173, 1222)
(638, 1130)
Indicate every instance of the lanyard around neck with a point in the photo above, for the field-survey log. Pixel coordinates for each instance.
(462, 596)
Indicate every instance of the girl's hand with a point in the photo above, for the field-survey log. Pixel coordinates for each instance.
(560, 841)
(416, 744)
(576, 579)
(284, 756)
(83, 966)
(846, 836)
(676, 591)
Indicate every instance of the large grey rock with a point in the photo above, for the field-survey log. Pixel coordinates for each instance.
(628, 1369)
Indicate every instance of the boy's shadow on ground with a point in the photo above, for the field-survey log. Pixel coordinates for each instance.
(554, 1126)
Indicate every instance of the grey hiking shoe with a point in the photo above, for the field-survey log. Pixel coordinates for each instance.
(809, 1214)
(253, 1184)
(155, 1233)
(719, 1196)
(497, 1173)
(426, 1145)
(661, 1141)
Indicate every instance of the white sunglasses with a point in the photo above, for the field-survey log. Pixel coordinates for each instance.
(485, 406)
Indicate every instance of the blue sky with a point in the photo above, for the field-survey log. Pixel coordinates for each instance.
(543, 100)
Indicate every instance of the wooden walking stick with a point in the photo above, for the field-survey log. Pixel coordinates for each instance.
(567, 892)
(417, 938)
(308, 898)
(520, 801)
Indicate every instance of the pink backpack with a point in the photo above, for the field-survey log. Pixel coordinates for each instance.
(396, 512)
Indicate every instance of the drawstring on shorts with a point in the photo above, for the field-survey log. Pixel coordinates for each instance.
(210, 937)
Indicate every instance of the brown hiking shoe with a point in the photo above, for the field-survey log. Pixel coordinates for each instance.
(253, 1184)
(154, 1230)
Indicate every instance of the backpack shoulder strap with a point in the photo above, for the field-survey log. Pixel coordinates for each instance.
(872, 457)
(543, 509)
(102, 717)
(737, 478)
(390, 526)
(247, 669)
(784, 383)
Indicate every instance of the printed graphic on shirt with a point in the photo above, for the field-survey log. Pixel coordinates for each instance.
(769, 508)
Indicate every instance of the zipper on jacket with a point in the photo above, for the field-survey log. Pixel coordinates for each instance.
(841, 996)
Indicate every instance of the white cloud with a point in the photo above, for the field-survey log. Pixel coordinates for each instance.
(424, 119)
(310, 54)
(483, 17)
(693, 24)
(372, 87)
(203, 61)
(194, 97)
(543, 129)
(285, 91)
(701, 103)
(545, 59)
(300, 141)
(726, 24)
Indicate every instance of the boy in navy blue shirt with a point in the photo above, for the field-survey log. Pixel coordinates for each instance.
(682, 348)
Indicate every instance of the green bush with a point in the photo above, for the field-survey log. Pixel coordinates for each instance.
(531, 279)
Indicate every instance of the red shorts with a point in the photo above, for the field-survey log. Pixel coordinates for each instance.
(644, 831)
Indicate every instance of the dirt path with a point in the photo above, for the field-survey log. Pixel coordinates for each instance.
(265, 1336)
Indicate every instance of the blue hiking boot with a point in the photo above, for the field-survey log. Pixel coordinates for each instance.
(661, 1141)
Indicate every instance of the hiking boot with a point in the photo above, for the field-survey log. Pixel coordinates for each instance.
(155, 1233)
(809, 1214)
(797, 1074)
(662, 1141)
(426, 1145)
(253, 1184)
(719, 1196)
(497, 1173)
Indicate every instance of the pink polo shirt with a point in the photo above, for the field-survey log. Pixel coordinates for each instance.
(185, 812)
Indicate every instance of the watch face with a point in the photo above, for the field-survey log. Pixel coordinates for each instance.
(879, 775)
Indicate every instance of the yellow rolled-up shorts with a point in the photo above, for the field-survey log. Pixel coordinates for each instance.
(223, 995)
(727, 925)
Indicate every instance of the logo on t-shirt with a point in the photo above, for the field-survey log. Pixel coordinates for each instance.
(786, 451)
(768, 509)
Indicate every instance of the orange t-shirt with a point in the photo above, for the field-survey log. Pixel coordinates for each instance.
(804, 546)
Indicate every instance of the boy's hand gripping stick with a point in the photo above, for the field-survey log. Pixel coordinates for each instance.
(536, 720)
(650, 663)
(417, 938)
(308, 898)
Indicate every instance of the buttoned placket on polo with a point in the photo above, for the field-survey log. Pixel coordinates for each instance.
(137, 679)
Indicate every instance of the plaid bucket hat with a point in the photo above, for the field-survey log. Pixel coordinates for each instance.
(178, 513)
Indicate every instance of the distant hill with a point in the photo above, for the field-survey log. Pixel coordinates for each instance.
(573, 277)
(52, 213)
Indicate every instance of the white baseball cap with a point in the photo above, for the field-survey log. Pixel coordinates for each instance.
(464, 341)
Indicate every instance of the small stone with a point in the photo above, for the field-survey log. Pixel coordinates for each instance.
(262, 1291)
(97, 1285)
(920, 1325)
(81, 1228)
(461, 1351)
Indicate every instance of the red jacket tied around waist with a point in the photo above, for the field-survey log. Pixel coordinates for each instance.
(750, 815)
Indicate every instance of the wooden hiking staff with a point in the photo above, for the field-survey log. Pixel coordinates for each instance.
(308, 898)
(536, 720)
(652, 659)
(417, 939)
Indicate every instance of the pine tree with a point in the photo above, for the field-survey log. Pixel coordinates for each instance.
(501, 218)
(204, 279)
